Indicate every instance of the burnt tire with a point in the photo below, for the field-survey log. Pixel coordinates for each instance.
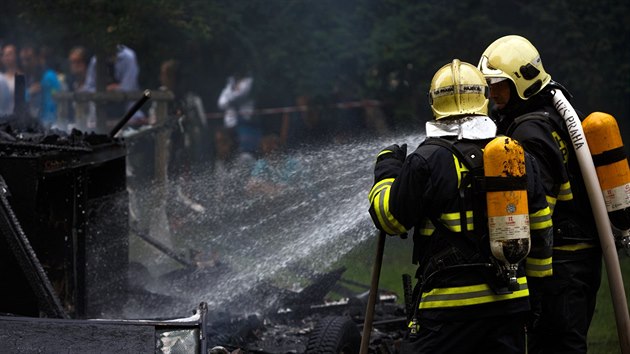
(334, 335)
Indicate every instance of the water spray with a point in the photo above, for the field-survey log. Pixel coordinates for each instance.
(276, 239)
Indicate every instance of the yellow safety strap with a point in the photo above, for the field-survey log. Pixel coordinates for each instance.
(427, 228)
(469, 295)
(574, 247)
(552, 203)
(538, 267)
(379, 198)
(452, 221)
(565, 193)
(540, 219)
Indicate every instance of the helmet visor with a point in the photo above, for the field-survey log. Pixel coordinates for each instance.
(489, 72)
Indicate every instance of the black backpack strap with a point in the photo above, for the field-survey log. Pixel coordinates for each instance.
(473, 248)
(538, 115)
(471, 156)
(524, 118)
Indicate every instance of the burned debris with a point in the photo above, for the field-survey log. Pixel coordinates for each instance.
(65, 228)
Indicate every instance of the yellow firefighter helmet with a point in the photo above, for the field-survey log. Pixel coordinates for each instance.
(515, 58)
(458, 88)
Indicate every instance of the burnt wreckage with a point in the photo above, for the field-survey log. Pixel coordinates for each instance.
(64, 250)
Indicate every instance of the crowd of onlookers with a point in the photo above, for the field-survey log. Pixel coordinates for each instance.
(239, 150)
(46, 74)
(41, 80)
(197, 137)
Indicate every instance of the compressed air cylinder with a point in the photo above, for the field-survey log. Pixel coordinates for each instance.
(508, 214)
(606, 146)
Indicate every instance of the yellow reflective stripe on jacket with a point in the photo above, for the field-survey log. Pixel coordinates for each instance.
(453, 223)
(469, 295)
(379, 186)
(538, 267)
(574, 247)
(460, 169)
(565, 192)
(427, 228)
(380, 202)
(540, 219)
(552, 202)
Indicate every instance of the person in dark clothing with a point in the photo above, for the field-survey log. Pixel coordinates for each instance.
(463, 302)
(522, 93)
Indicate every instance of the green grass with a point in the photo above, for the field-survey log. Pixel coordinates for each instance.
(602, 337)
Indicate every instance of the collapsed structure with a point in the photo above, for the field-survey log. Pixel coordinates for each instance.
(64, 249)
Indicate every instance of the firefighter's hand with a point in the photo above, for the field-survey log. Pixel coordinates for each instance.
(393, 151)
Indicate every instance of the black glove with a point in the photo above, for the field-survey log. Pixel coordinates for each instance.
(389, 161)
(393, 151)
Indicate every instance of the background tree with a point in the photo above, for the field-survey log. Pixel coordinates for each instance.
(387, 49)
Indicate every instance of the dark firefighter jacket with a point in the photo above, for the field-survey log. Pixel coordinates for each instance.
(543, 133)
(424, 191)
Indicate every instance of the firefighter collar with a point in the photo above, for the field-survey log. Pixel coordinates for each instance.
(469, 127)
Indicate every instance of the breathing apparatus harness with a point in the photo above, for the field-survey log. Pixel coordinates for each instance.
(471, 250)
(548, 114)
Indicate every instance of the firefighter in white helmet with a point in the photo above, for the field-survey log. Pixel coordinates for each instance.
(521, 91)
(462, 305)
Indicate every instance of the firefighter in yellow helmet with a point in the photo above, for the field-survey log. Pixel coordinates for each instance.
(521, 91)
(462, 302)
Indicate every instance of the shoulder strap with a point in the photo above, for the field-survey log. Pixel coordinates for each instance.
(471, 156)
(538, 115)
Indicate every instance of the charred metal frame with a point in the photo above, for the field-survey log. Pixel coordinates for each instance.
(72, 204)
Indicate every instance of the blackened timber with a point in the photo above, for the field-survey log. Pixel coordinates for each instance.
(40, 284)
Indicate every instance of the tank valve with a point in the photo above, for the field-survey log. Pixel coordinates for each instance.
(511, 275)
(623, 241)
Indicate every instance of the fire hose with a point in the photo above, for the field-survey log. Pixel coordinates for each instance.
(600, 213)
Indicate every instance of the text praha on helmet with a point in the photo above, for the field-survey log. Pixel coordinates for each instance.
(458, 88)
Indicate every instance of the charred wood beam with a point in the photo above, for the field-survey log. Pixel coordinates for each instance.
(158, 245)
(136, 106)
(10, 227)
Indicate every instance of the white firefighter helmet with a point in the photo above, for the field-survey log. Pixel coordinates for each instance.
(515, 58)
(458, 88)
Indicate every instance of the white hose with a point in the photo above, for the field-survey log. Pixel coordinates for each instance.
(604, 229)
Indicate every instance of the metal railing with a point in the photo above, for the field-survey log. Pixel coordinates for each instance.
(89, 113)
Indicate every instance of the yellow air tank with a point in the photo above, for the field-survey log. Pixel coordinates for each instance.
(604, 140)
(508, 215)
